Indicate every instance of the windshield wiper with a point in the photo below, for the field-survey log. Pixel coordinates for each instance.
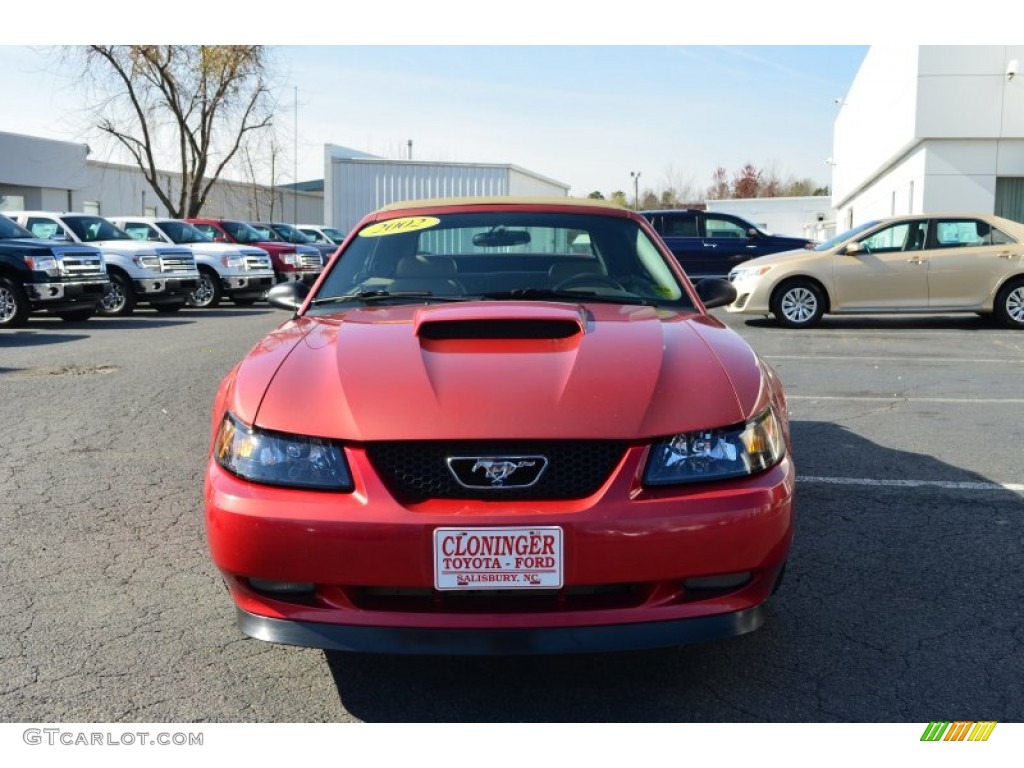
(380, 295)
(568, 295)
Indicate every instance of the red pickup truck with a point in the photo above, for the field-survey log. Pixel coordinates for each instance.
(291, 262)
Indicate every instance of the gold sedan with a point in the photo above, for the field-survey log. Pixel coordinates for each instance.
(908, 264)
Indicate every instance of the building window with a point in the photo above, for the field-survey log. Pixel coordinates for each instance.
(91, 207)
(12, 203)
(1010, 197)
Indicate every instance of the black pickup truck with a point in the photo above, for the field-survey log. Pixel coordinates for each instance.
(68, 280)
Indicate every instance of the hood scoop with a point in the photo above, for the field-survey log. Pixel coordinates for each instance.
(507, 321)
(499, 329)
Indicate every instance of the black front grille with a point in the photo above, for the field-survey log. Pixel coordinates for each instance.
(416, 471)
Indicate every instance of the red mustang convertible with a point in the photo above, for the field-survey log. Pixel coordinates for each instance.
(500, 426)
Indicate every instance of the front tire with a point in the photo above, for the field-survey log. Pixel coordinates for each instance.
(14, 306)
(1009, 305)
(798, 304)
(120, 301)
(208, 293)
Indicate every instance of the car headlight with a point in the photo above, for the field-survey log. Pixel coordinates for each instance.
(747, 273)
(47, 264)
(147, 262)
(280, 459)
(233, 261)
(716, 454)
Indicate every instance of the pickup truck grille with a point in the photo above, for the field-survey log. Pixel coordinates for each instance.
(177, 264)
(310, 261)
(257, 263)
(82, 265)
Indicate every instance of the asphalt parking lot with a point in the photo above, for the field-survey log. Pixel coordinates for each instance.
(901, 603)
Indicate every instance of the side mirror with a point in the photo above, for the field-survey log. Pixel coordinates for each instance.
(753, 234)
(715, 292)
(288, 295)
(853, 249)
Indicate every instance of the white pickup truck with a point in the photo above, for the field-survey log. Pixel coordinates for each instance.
(161, 276)
(242, 273)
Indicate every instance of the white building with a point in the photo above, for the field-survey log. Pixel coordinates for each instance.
(931, 129)
(809, 217)
(44, 174)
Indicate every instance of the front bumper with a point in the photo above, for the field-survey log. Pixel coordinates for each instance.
(629, 552)
(502, 642)
(308, 276)
(152, 289)
(246, 284)
(753, 297)
(66, 294)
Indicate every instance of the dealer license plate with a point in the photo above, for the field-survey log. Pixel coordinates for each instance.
(498, 558)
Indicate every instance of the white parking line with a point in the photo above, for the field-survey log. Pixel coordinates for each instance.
(900, 360)
(905, 399)
(946, 484)
(827, 333)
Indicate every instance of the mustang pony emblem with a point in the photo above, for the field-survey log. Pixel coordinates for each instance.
(497, 471)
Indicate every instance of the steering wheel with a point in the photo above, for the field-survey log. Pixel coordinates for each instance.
(586, 281)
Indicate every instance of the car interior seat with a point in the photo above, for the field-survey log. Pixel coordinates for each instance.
(430, 274)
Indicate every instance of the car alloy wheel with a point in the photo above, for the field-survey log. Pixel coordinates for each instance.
(14, 306)
(120, 299)
(8, 306)
(207, 293)
(1009, 306)
(1015, 304)
(798, 304)
(114, 299)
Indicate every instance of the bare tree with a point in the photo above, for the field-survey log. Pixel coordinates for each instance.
(719, 189)
(679, 190)
(259, 165)
(189, 106)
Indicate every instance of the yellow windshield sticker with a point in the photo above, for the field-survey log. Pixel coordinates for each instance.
(397, 226)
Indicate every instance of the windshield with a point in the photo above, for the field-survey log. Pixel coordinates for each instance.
(291, 234)
(9, 230)
(91, 229)
(243, 233)
(830, 244)
(183, 233)
(267, 233)
(335, 234)
(495, 255)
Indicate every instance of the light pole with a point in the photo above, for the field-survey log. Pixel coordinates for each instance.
(636, 189)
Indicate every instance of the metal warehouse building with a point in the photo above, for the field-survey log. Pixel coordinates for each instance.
(356, 183)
